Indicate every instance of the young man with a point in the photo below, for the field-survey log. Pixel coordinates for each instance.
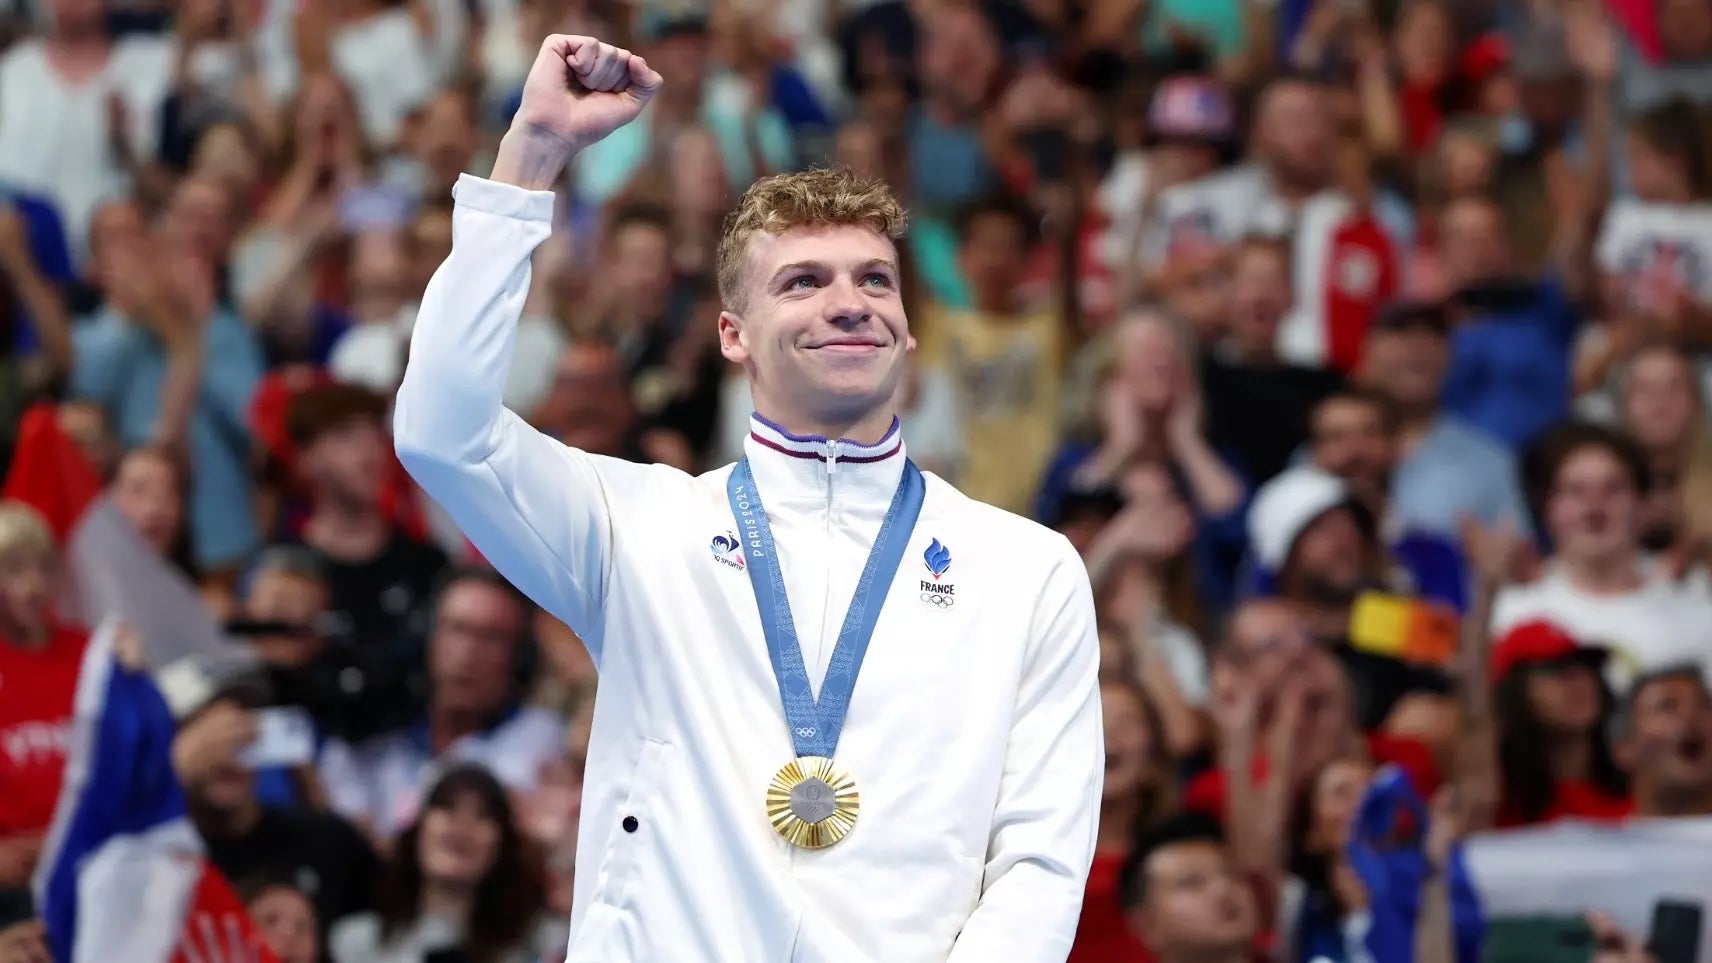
(955, 820)
(1662, 734)
(1187, 900)
(1590, 484)
(380, 577)
(1005, 359)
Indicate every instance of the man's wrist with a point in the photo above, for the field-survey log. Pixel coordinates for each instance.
(531, 160)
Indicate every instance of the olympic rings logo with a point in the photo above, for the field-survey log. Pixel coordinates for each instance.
(805, 731)
(938, 601)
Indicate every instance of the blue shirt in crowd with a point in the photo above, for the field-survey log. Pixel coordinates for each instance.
(1509, 369)
(1456, 472)
(121, 367)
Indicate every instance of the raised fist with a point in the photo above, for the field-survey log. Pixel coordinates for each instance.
(578, 91)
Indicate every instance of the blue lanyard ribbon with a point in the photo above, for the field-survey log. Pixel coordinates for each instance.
(816, 725)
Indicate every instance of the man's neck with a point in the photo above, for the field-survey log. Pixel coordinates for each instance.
(346, 531)
(1672, 802)
(1325, 621)
(1613, 576)
(1252, 354)
(227, 823)
(865, 429)
(30, 638)
(1414, 423)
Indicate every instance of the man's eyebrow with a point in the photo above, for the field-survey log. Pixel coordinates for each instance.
(818, 266)
(797, 266)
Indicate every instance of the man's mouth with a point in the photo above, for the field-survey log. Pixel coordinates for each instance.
(847, 344)
(1693, 748)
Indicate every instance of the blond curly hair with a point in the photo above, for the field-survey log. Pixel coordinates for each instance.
(810, 198)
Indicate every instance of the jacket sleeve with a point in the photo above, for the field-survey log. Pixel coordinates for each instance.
(537, 510)
(1047, 813)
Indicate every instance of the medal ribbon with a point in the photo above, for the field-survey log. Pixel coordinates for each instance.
(816, 725)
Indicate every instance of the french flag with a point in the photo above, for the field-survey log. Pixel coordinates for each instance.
(123, 874)
(111, 571)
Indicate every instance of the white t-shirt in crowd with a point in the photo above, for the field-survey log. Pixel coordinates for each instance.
(54, 135)
(391, 68)
(380, 782)
(1662, 623)
(1658, 246)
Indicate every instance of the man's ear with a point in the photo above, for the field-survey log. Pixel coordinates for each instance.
(731, 343)
(910, 344)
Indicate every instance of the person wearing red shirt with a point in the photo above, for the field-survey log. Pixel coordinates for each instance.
(1552, 708)
(1138, 793)
(39, 661)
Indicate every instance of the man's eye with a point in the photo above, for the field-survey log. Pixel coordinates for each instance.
(800, 283)
(877, 280)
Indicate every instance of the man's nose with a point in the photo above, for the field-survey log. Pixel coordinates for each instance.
(845, 305)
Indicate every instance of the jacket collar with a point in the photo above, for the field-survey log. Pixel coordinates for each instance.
(809, 470)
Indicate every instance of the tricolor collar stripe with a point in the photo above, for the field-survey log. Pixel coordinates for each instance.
(779, 439)
(846, 459)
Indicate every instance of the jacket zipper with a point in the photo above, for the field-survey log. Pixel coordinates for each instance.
(826, 614)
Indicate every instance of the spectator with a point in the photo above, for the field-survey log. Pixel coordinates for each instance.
(286, 918)
(1257, 403)
(1138, 794)
(459, 881)
(78, 106)
(1553, 710)
(348, 691)
(149, 490)
(472, 711)
(1509, 359)
(39, 661)
(1317, 548)
(1281, 703)
(1589, 484)
(1664, 739)
(1004, 358)
(323, 855)
(371, 352)
(167, 363)
(1148, 407)
(1144, 582)
(1187, 899)
(1662, 410)
(380, 576)
(1444, 470)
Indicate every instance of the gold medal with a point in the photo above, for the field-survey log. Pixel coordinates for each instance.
(812, 803)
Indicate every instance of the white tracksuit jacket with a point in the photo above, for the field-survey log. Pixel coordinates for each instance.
(974, 731)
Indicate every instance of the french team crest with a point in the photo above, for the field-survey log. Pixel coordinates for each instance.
(941, 595)
(937, 558)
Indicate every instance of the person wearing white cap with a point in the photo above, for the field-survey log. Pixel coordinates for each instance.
(1317, 548)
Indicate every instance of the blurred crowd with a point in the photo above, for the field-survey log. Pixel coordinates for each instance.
(1362, 347)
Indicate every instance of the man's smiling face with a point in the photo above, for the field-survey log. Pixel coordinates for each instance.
(821, 329)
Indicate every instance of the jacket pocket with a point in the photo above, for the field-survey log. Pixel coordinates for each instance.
(631, 839)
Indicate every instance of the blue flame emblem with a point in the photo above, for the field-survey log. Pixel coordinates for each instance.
(938, 558)
(724, 544)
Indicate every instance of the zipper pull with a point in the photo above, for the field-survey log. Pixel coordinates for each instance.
(831, 458)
